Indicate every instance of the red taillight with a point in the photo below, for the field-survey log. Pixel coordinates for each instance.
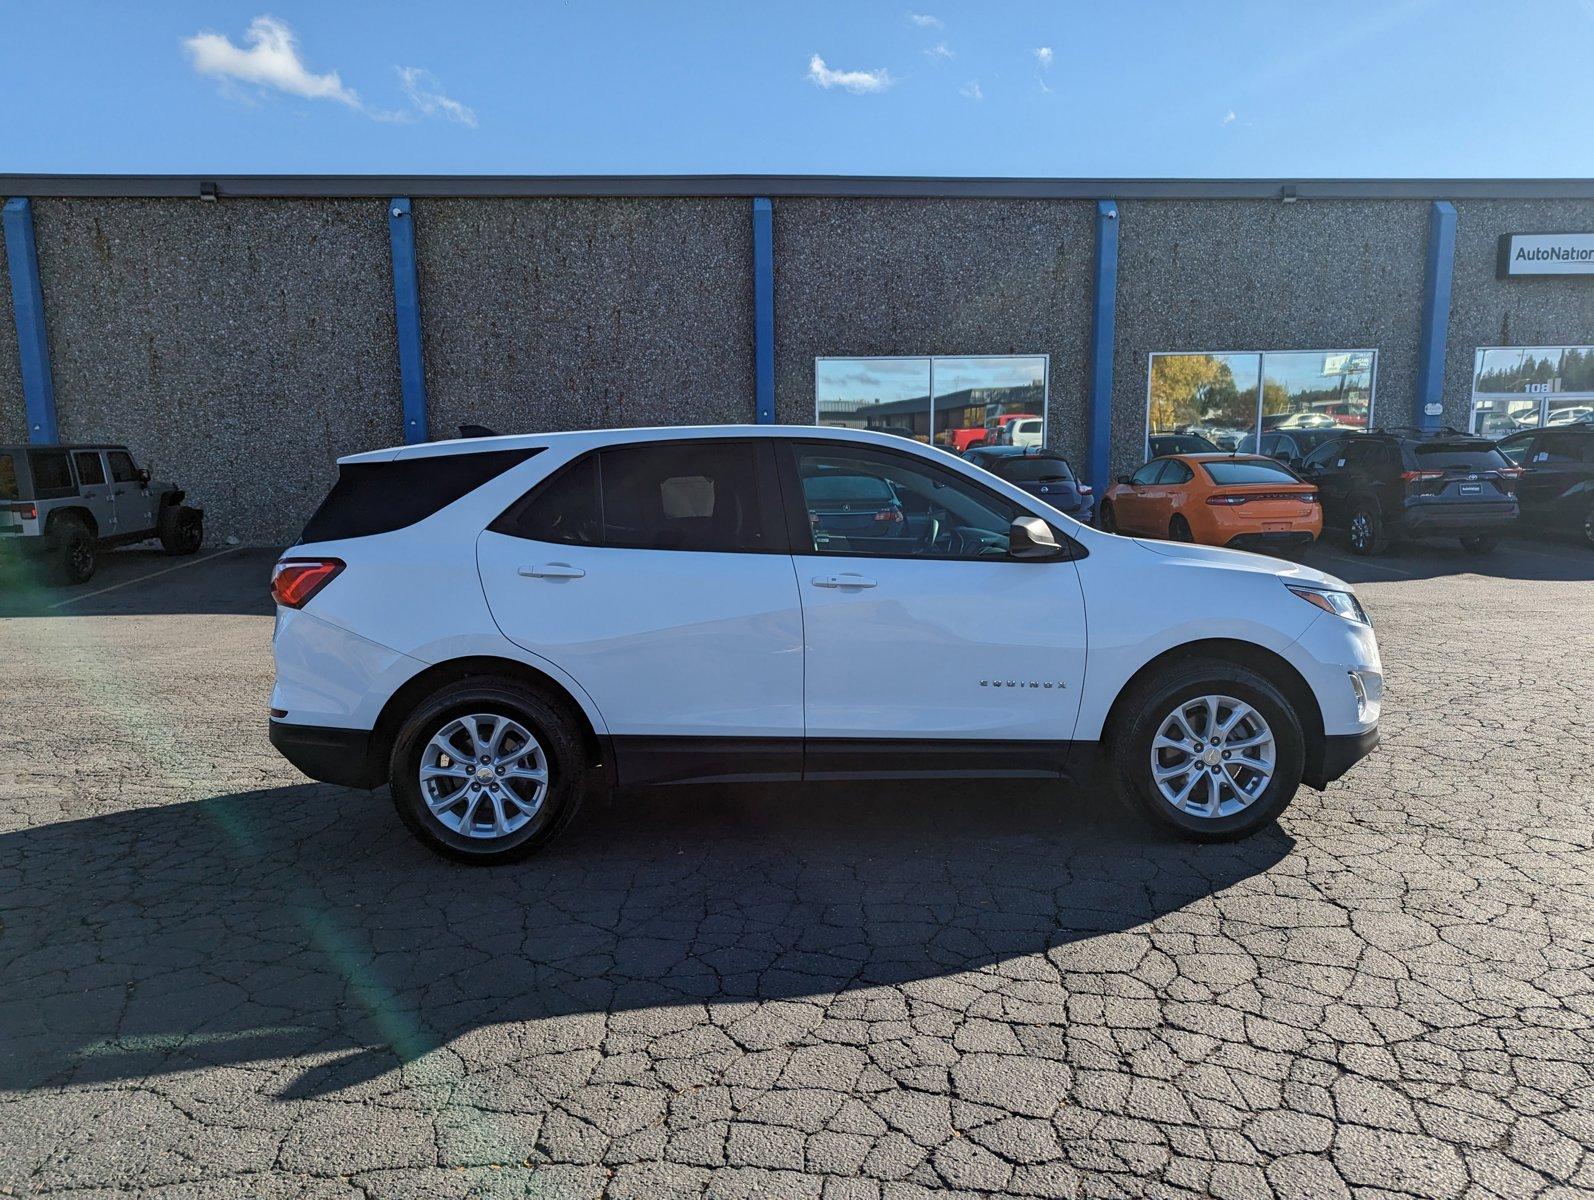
(294, 581)
(890, 516)
(1509, 472)
(1084, 489)
(1220, 498)
(28, 512)
(1421, 476)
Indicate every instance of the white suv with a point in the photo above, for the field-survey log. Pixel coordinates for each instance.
(494, 626)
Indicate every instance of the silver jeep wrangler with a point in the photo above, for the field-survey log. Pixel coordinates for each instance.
(62, 504)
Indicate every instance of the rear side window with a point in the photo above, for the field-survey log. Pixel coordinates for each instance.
(379, 497)
(52, 474)
(8, 478)
(1148, 473)
(1226, 472)
(1327, 452)
(89, 471)
(692, 496)
(122, 468)
(1176, 472)
(1450, 456)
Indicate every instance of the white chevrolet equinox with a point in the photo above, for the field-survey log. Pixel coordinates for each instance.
(492, 627)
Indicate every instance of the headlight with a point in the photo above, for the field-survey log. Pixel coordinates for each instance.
(1341, 604)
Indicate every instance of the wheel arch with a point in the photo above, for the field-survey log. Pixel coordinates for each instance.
(1269, 664)
(485, 666)
(74, 512)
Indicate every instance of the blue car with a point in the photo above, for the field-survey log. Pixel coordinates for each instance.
(1042, 473)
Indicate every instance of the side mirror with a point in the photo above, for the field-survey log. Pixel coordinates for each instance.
(1031, 537)
(143, 476)
(1123, 479)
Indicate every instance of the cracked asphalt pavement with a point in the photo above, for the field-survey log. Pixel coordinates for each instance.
(220, 980)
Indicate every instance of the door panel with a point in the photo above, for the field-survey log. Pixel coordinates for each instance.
(95, 488)
(133, 503)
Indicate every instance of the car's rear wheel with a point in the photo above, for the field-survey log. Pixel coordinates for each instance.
(1179, 530)
(487, 771)
(1479, 543)
(1209, 749)
(1366, 529)
(182, 529)
(76, 553)
(1108, 518)
(1588, 525)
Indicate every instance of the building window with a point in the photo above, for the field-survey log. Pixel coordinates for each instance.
(954, 402)
(1233, 398)
(1524, 387)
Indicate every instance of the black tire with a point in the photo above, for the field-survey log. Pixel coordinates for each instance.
(1154, 701)
(1365, 528)
(182, 529)
(567, 768)
(76, 552)
(1588, 525)
(1107, 518)
(1479, 543)
(1179, 530)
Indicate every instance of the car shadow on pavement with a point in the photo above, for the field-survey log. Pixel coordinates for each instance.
(145, 581)
(303, 924)
(1543, 559)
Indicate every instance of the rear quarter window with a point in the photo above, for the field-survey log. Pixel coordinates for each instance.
(8, 478)
(1228, 472)
(52, 474)
(380, 497)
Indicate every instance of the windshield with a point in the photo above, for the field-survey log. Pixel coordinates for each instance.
(1227, 471)
(1468, 457)
(1033, 469)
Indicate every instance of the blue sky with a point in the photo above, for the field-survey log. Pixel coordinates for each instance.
(1055, 88)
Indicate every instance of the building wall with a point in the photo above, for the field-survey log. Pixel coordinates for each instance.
(237, 347)
(1264, 275)
(13, 420)
(908, 277)
(1556, 310)
(551, 314)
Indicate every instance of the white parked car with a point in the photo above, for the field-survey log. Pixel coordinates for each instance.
(1027, 431)
(493, 627)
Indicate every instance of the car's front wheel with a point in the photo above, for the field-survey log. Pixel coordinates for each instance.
(487, 771)
(182, 529)
(1209, 749)
(1108, 518)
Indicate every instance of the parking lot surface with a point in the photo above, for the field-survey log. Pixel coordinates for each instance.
(219, 979)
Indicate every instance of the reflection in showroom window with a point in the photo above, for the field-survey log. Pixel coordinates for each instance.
(1229, 397)
(887, 505)
(955, 402)
(1526, 387)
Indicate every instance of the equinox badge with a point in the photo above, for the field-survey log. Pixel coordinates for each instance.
(1018, 683)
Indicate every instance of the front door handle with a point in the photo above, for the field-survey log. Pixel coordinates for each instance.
(556, 570)
(848, 580)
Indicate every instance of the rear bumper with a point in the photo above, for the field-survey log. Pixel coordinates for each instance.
(1340, 753)
(341, 756)
(1273, 539)
(1459, 518)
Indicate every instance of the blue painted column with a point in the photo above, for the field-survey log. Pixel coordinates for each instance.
(27, 305)
(764, 310)
(1436, 283)
(1103, 326)
(407, 317)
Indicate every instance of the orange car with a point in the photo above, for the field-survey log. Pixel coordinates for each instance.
(1240, 500)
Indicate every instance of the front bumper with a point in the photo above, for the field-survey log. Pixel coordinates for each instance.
(342, 756)
(1340, 752)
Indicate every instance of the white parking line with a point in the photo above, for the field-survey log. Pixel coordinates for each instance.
(193, 562)
(1362, 562)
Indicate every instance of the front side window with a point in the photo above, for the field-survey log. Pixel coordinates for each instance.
(862, 501)
(122, 468)
(1526, 387)
(52, 474)
(1328, 452)
(1230, 396)
(89, 471)
(691, 496)
(956, 402)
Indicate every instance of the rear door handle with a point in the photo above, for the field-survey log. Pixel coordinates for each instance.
(553, 571)
(848, 580)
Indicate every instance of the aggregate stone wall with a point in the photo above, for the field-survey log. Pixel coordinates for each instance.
(13, 422)
(550, 314)
(1531, 311)
(238, 347)
(911, 277)
(1264, 275)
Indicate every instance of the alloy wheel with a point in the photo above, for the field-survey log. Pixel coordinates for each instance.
(1361, 530)
(1213, 756)
(484, 775)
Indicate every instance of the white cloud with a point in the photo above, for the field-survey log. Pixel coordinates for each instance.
(1043, 55)
(971, 89)
(271, 60)
(857, 82)
(925, 20)
(940, 52)
(1229, 117)
(426, 95)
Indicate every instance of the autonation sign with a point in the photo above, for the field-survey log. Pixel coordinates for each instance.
(1546, 254)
